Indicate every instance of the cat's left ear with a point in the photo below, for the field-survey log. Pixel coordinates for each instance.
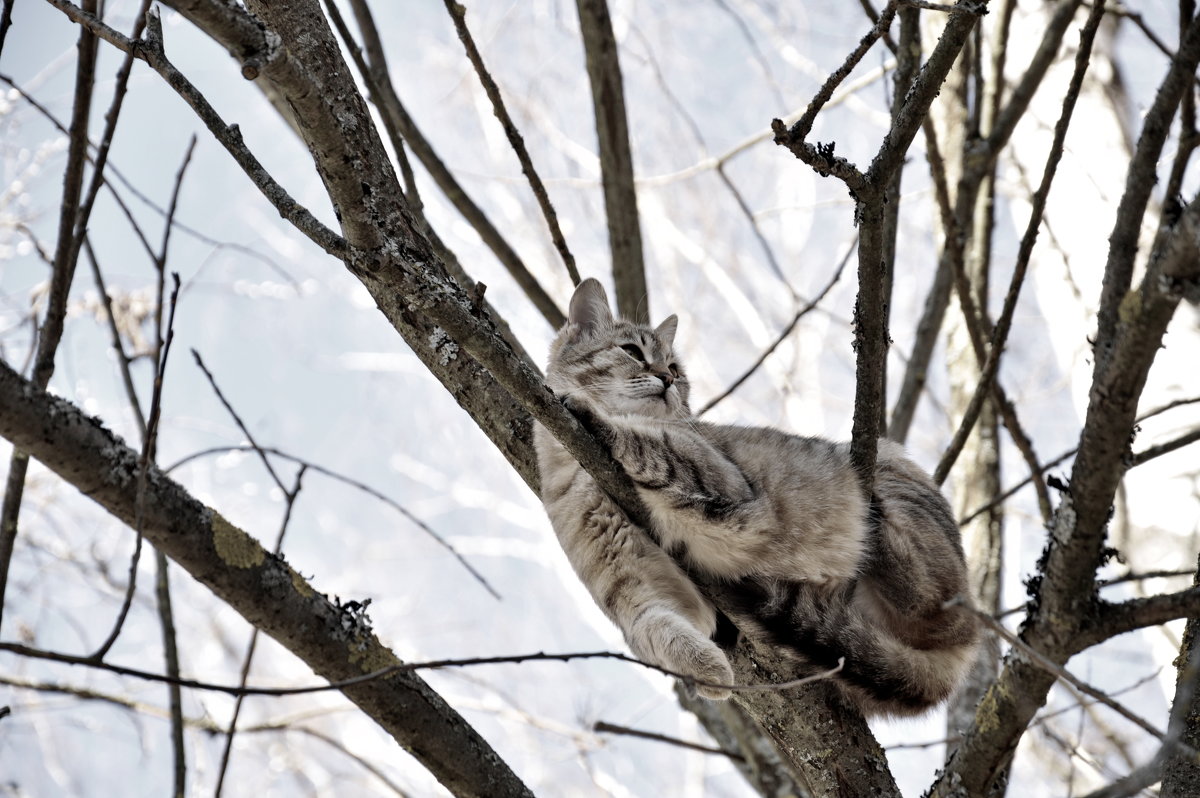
(589, 309)
(666, 330)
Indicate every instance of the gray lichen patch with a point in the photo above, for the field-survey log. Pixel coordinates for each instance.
(234, 546)
(441, 343)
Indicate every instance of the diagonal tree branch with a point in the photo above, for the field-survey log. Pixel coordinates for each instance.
(337, 644)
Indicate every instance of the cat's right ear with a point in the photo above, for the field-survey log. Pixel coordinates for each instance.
(589, 309)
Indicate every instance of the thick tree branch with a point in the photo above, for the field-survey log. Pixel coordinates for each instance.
(1076, 541)
(1110, 620)
(262, 587)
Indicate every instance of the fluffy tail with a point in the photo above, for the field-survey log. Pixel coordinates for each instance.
(881, 673)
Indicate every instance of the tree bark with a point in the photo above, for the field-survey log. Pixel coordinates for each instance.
(336, 643)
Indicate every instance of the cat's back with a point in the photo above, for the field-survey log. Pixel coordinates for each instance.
(779, 460)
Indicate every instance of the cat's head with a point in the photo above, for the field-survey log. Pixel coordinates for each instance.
(621, 366)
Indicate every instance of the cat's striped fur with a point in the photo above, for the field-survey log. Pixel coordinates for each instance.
(814, 567)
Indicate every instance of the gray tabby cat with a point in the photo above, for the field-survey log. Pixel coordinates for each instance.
(814, 567)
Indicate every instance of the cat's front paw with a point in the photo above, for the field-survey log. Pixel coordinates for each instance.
(587, 414)
(713, 671)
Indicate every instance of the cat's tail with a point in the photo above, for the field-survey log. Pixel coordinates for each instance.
(880, 673)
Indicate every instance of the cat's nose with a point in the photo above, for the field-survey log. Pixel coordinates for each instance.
(666, 377)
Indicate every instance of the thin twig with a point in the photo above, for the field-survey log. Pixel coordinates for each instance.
(612, 728)
(383, 93)
(112, 170)
(248, 659)
(424, 527)
(123, 359)
(144, 462)
(229, 136)
(1004, 322)
(1138, 459)
(162, 350)
(406, 667)
(1160, 449)
(458, 13)
(285, 725)
(803, 126)
(50, 331)
(212, 381)
(787, 330)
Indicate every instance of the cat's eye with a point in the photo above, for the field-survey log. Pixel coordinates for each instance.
(634, 351)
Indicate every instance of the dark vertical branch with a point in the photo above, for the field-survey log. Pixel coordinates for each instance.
(616, 159)
(50, 331)
(1140, 180)
(162, 348)
(166, 614)
(5, 22)
(908, 62)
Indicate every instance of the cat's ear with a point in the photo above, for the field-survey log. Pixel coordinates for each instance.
(589, 308)
(666, 330)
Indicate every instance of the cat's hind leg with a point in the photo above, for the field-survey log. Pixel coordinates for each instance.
(663, 636)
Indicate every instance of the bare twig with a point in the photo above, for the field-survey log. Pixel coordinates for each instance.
(149, 445)
(424, 527)
(458, 14)
(1160, 449)
(1000, 333)
(113, 171)
(612, 728)
(50, 330)
(405, 667)
(803, 126)
(229, 136)
(1062, 674)
(383, 92)
(238, 420)
(244, 676)
(1069, 453)
(285, 725)
(616, 159)
(787, 330)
